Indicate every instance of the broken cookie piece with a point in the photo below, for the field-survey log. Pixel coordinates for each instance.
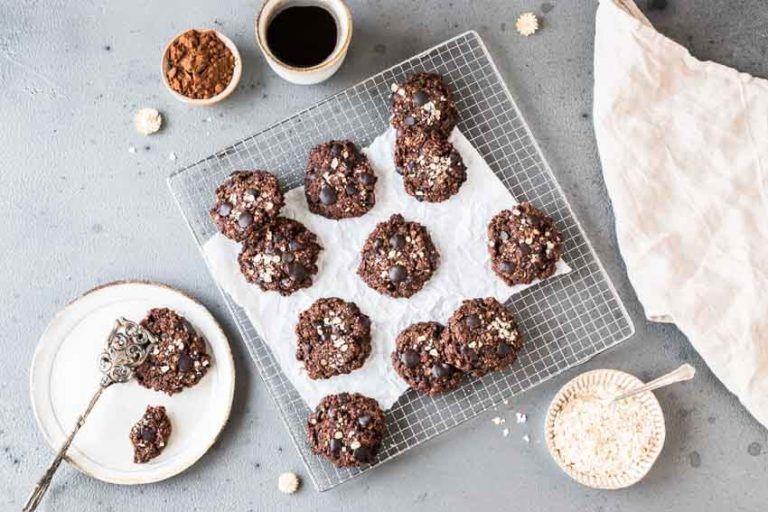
(150, 434)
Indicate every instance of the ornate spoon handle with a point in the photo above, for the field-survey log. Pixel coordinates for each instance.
(685, 372)
(42, 485)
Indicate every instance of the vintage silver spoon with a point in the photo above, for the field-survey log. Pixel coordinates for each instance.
(127, 347)
(683, 373)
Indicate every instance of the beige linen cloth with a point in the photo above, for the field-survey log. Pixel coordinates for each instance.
(684, 150)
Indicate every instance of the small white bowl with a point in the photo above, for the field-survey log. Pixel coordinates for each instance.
(233, 83)
(313, 74)
(582, 385)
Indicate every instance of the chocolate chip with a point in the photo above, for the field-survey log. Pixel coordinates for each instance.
(335, 446)
(364, 420)
(410, 120)
(441, 370)
(363, 454)
(397, 241)
(287, 257)
(411, 165)
(503, 236)
(294, 245)
(327, 196)
(473, 321)
(420, 98)
(410, 358)
(525, 249)
(252, 192)
(503, 349)
(335, 150)
(367, 179)
(148, 434)
(224, 209)
(244, 220)
(298, 272)
(365, 321)
(507, 267)
(350, 189)
(399, 170)
(185, 362)
(397, 273)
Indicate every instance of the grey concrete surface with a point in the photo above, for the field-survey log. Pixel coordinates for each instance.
(78, 209)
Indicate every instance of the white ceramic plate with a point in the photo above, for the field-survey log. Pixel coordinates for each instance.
(64, 375)
(624, 381)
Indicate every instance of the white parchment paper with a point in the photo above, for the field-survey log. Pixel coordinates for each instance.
(458, 229)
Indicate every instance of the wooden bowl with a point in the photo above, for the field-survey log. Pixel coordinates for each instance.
(233, 83)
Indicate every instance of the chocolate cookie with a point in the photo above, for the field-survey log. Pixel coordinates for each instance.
(398, 257)
(431, 167)
(481, 337)
(339, 182)
(346, 429)
(424, 101)
(418, 359)
(281, 257)
(179, 358)
(334, 338)
(524, 244)
(150, 434)
(245, 202)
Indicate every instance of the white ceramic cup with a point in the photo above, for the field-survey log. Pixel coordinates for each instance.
(313, 74)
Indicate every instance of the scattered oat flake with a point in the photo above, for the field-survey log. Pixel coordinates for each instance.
(527, 24)
(505, 432)
(131, 149)
(288, 483)
(172, 157)
(497, 420)
(521, 418)
(147, 121)
(527, 438)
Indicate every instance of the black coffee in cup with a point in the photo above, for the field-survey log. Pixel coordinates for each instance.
(302, 35)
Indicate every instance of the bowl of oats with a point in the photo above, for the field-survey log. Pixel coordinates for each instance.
(601, 443)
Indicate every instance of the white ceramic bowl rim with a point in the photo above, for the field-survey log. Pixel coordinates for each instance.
(231, 86)
(338, 9)
(624, 380)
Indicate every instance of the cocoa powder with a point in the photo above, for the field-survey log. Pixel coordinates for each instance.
(200, 65)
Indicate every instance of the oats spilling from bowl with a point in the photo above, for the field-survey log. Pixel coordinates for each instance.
(601, 438)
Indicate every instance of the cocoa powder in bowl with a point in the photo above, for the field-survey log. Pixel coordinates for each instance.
(200, 65)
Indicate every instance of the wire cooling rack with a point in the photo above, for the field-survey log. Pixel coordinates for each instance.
(566, 320)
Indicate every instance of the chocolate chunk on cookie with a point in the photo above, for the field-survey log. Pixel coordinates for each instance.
(334, 338)
(150, 434)
(398, 257)
(424, 101)
(178, 360)
(431, 168)
(346, 429)
(482, 336)
(339, 181)
(524, 244)
(280, 257)
(245, 202)
(418, 359)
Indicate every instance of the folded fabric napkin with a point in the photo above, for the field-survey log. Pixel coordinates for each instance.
(684, 149)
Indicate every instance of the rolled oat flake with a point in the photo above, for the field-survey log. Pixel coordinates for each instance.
(147, 121)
